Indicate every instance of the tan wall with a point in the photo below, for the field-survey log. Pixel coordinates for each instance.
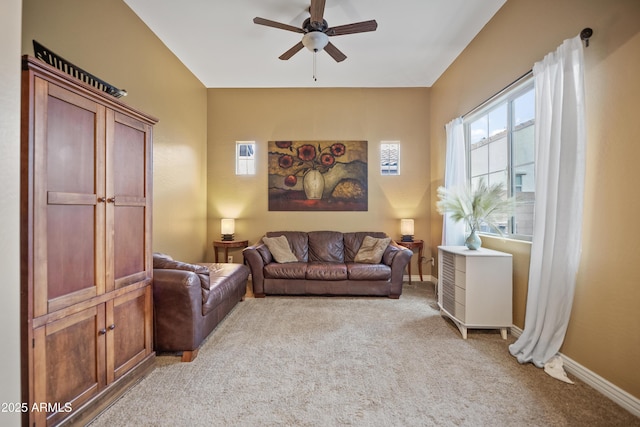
(373, 115)
(604, 330)
(10, 207)
(112, 43)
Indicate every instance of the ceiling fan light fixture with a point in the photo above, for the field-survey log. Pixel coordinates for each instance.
(315, 41)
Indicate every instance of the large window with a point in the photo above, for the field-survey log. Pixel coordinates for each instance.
(500, 144)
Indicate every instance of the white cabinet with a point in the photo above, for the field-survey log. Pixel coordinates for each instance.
(475, 288)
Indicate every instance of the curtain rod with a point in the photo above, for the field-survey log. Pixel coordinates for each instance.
(585, 35)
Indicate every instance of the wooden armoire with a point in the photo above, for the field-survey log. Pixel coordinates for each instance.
(86, 257)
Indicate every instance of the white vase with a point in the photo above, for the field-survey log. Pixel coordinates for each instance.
(313, 183)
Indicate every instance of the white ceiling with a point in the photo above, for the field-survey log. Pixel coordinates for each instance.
(415, 42)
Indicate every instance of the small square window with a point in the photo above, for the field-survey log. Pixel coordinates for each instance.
(390, 158)
(245, 158)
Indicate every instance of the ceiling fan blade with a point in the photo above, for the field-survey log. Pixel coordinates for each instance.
(358, 27)
(288, 54)
(334, 52)
(317, 10)
(274, 24)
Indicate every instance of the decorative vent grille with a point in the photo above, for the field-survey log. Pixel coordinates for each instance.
(448, 282)
(44, 54)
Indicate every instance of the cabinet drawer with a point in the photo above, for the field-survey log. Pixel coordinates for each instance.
(461, 279)
(460, 295)
(460, 312)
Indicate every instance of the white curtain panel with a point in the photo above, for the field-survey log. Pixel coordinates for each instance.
(560, 143)
(455, 174)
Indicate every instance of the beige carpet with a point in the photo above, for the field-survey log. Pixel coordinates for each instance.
(298, 361)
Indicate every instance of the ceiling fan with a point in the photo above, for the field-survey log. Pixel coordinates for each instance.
(317, 32)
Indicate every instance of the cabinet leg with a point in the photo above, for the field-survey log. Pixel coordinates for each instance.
(503, 333)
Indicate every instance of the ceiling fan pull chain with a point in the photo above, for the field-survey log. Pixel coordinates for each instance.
(315, 79)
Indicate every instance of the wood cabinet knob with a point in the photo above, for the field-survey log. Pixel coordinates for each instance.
(102, 331)
(111, 200)
(112, 327)
(101, 199)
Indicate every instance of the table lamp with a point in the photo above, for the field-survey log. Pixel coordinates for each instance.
(406, 229)
(227, 228)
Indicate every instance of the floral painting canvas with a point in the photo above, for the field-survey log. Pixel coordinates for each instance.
(318, 175)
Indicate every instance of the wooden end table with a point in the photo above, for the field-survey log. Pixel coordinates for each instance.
(412, 245)
(226, 244)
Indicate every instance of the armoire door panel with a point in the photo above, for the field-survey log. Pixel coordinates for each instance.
(129, 242)
(129, 161)
(71, 366)
(131, 332)
(71, 152)
(71, 249)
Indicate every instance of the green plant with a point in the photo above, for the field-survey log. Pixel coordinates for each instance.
(485, 204)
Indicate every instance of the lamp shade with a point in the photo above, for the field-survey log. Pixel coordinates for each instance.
(227, 226)
(406, 227)
(315, 40)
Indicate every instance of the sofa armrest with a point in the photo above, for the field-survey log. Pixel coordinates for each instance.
(254, 257)
(397, 257)
(177, 301)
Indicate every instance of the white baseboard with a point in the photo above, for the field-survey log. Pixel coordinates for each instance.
(610, 390)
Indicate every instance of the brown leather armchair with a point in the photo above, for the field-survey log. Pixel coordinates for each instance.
(191, 300)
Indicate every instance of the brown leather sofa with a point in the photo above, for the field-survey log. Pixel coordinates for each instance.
(190, 300)
(325, 266)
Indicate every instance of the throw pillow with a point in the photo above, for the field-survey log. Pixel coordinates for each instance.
(372, 250)
(279, 248)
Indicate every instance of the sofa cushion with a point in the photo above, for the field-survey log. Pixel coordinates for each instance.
(358, 271)
(326, 271)
(326, 246)
(279, 248)
(291, 270)
(164, 261)
(371, 250)
(298, 241)
(225, 280)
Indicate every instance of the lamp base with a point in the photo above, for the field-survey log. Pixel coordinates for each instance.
(227, 237)
(406, 238)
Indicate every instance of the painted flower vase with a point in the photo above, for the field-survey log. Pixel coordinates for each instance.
(313, 183)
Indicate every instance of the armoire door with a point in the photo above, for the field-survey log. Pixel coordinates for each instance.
(128, 188)
(69, 363)
(130, 340)
(69, 189)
